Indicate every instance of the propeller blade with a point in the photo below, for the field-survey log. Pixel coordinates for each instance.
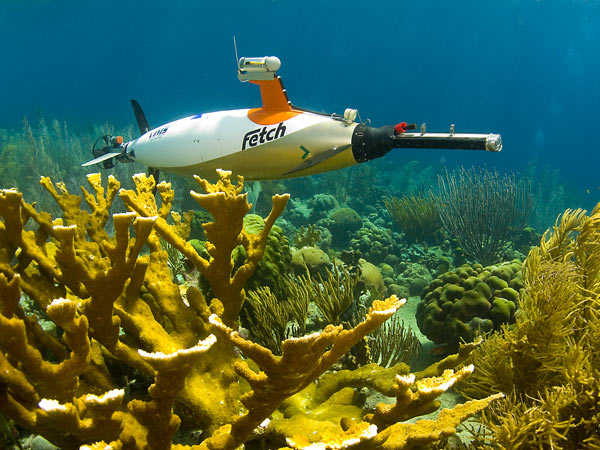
(155, 173)
(140, 117)
(99, 159)
(317, 159)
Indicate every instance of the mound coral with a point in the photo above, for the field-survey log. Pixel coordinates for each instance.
(342, 222)
(375, 243)
(313, 259)
(321, 205)
(469, 300)
(274, 265)
(118, 312)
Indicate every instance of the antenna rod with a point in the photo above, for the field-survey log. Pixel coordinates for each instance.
(237, 64)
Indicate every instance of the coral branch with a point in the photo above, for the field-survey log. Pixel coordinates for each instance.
(302, 362)
(416, 398)
(56, 380)
(407, 435)
(171, 371)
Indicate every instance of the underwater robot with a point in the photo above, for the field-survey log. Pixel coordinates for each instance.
(277, 140)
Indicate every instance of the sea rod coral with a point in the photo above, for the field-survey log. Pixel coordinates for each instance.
(548, 361)
(117, 311)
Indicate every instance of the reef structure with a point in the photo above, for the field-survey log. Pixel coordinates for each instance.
(117, 311)
(469, 300)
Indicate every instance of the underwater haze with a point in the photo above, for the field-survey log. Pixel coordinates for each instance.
(383, 305)
(526, 69)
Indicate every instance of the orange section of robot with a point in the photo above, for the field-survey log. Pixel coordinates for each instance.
(276, 107)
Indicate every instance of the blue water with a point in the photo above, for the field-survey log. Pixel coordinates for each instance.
(526, 69)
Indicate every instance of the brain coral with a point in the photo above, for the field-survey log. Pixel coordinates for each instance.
(461, 302)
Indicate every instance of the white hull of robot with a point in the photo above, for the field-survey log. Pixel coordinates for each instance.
(230, 140)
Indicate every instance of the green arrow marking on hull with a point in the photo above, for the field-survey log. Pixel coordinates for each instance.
(306, 152)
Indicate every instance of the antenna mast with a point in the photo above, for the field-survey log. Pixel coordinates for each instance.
(237, 60)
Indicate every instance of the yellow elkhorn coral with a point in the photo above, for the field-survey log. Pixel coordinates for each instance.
(123, 325)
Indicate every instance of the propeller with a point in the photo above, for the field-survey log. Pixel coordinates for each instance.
(100, 159)
(140, 117)
(144, 127)
(104, 151)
